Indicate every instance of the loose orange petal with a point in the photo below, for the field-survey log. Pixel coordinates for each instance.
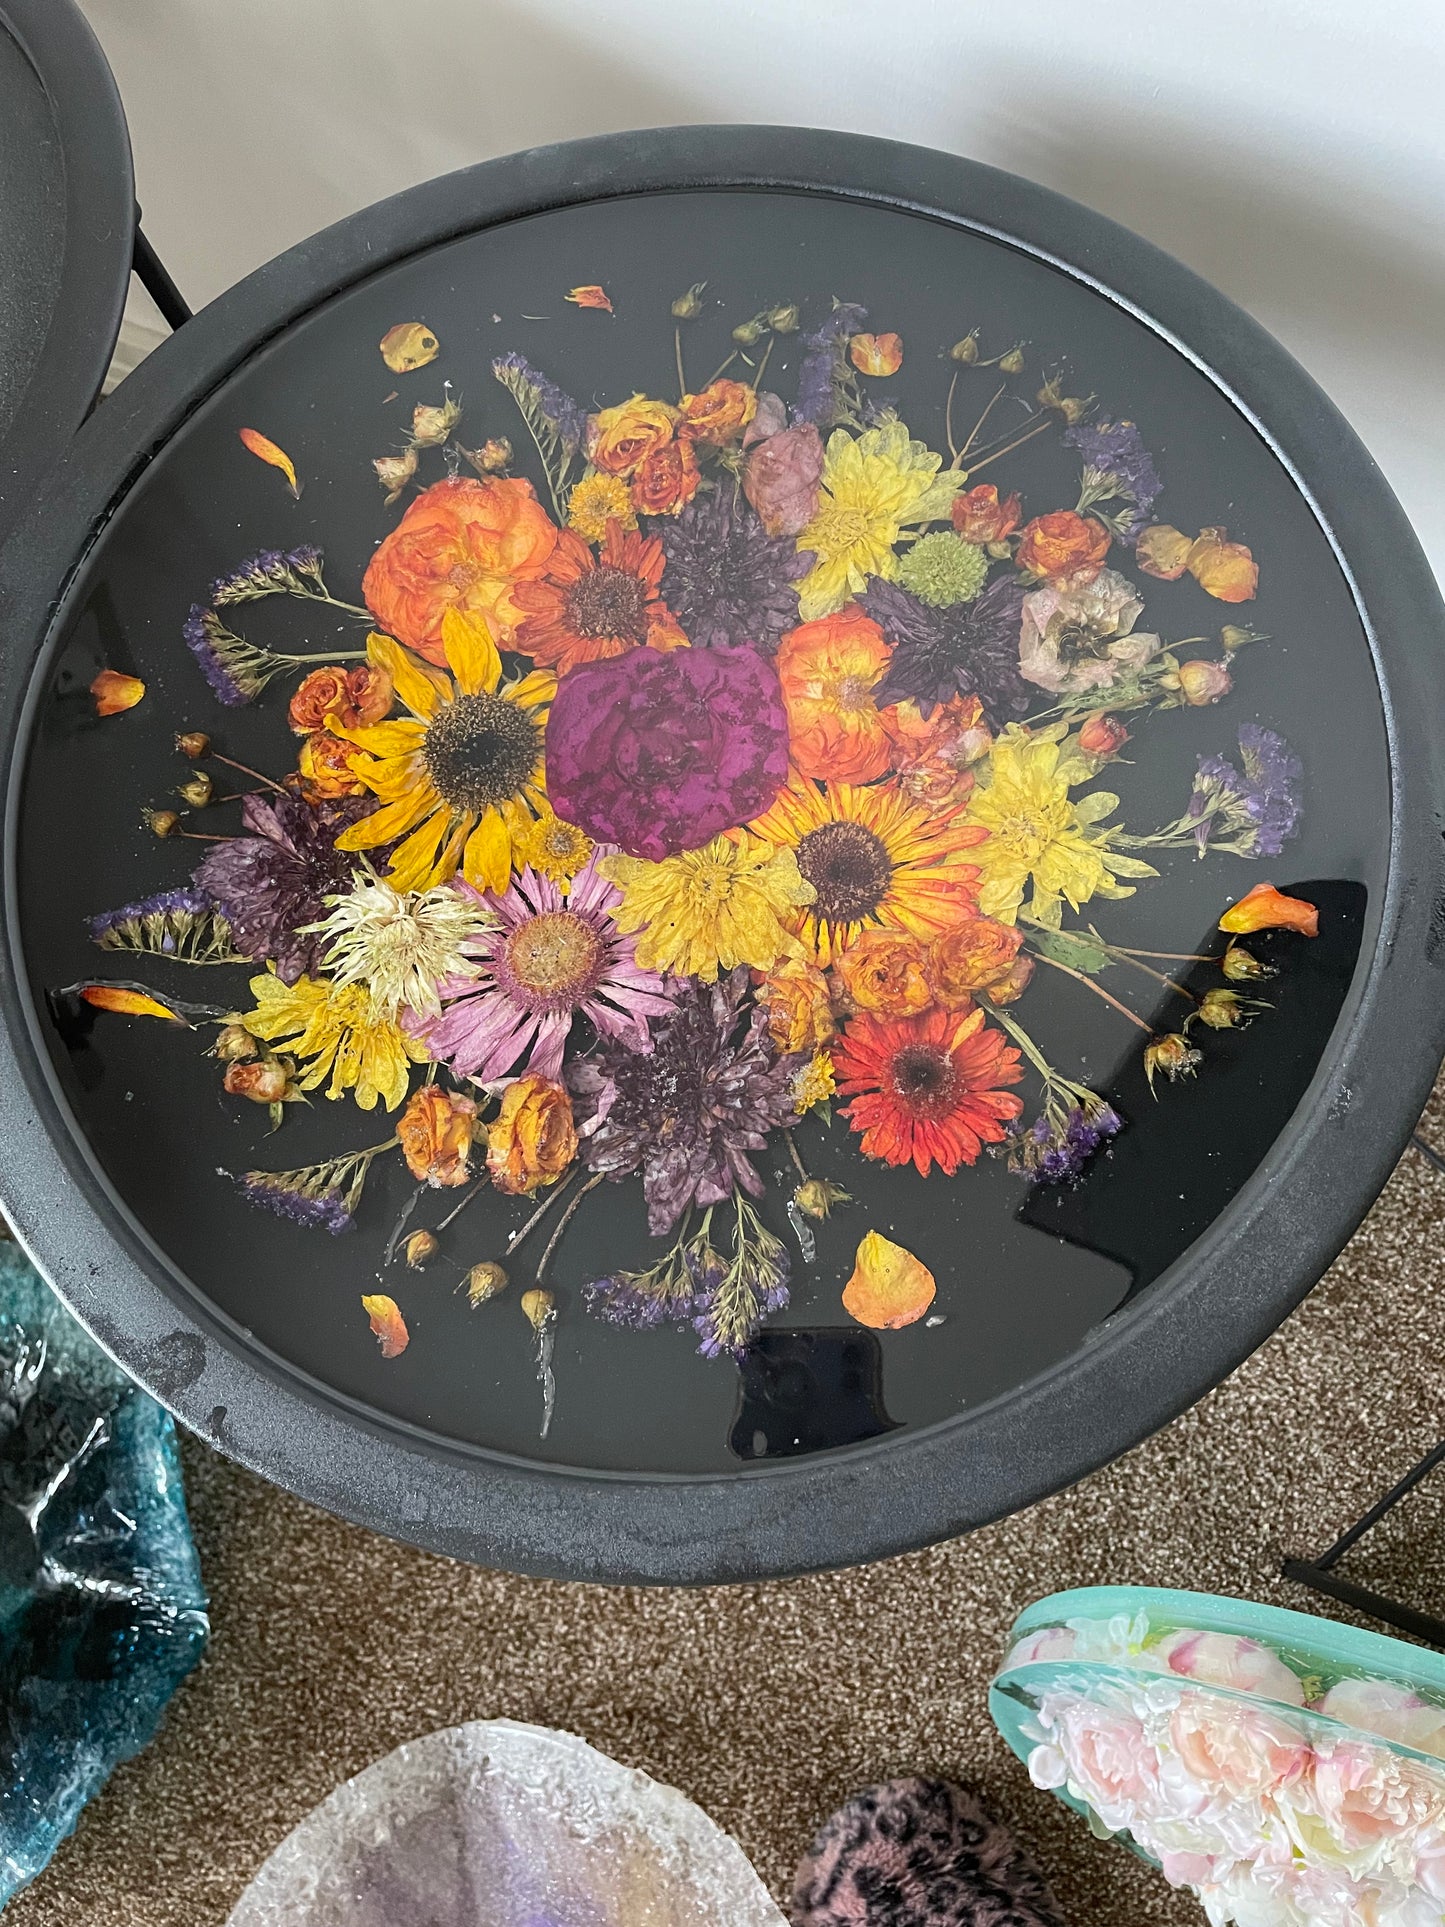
(387, 1323)
(266, 450)
(1163, 551)
(876, 354)
(1225, 570)
(114, 692)
(889, 1288)
(1265, 909)
(590, 297)
(409, 345)
(128, 1003)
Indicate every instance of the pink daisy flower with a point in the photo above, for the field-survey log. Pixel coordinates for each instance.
(550, 959)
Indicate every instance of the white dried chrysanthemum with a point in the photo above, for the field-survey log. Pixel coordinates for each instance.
(399, 945)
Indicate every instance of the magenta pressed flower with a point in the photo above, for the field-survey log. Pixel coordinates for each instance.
(550, 958)
(658, 753)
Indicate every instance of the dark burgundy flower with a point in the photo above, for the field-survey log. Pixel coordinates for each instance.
(659, 752)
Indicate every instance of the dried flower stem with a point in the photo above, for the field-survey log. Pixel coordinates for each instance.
(563, 1222)
(1098, 990)
(245, 770)
(798, 1164)
(1158, 976)
(959, 453)
(461, 1205)
(1167, 956)
(762, 365)
(721, 369)
(1009, 447)
(677, 350)
(552, 1197)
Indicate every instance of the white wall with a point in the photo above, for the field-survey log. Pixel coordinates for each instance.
(1291, 150)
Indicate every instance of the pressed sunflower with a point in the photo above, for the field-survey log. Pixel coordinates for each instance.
(463, 774)
(873, 856)
(874, 486)
(1037, 835)
(332, 1027)
(706, 910)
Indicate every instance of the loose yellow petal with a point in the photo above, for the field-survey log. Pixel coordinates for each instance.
(409, 345)
(589, 297)
(128, 1003)
(470, 652)
(114, 692)
(266, 450)
(889, 1288)
(488, 860)
(387, 1323)
(1266, 908)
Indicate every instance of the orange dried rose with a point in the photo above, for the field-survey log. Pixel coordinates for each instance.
(717, 413)
(464, 545)
(115, 693)
(886, 972)
(532, 1140)
(889, 1287)
(387, 1324)
(933, 755)
(1012, 985)
(665, 480)
(970, 958)
(1266, 909)
(1226, 570)
(827, 670)
(794, 996)
(618, 439)
(1163, 551)
(436, 1131)
(876, 354)
(357, 697)
(325, 767)
(979, 516)
(1063, 548)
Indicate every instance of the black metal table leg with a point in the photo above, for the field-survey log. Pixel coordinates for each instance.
(151, 273)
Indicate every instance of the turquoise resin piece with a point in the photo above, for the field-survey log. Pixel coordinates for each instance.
(102, 1613)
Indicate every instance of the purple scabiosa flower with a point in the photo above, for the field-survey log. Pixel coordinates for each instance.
(967, 649)
(825, 365)
(547, 959)
(545, 407)
(687, 1113)
(272, 1191)
(270, 882)
(1060, 1142)
(726, 579)
(1117, 468)
(1252, 812)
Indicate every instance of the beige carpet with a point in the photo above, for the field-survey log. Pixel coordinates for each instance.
(769, 1703)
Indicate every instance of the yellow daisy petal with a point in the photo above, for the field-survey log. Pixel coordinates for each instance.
(385, 740)
(488, 860)
(391, 820)
(414, 866)
(470, 652)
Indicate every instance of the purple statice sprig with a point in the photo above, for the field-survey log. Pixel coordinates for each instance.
(1249, 809)
(828, 392)
(666, 1293)
(238, 670)
(1118, 469)
(1072, 1125)
(736, 1295)
(321, 1196)
(556, 423)
(185, 925)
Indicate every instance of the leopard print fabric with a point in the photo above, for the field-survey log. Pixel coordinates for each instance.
(919, 1853)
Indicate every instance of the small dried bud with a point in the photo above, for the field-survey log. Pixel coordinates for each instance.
(197, 791)
(1232, 637)
(419, 1249)
(1241, 966)
(748, 334)
(966, 350)
(430, 426)
(1013, 362)
(484, 1281)
(194, 744)
(1103, 735)
(162, 822)
(818, 1196)
(540, 1307)
(1202, 683)
(1172, 1057)
(688, 307)
(394, 472)
(1227, 1010)
(1073, 408)
(492, 457)
(234, 1044)
(1051, 395)
(266, 1081)
(784, 320)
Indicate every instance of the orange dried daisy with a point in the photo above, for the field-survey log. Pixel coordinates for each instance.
(586, 607)
(927, 1090)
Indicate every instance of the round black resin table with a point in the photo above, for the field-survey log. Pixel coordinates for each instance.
(1192, 658)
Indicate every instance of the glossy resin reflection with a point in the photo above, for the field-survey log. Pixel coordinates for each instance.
(721, 803)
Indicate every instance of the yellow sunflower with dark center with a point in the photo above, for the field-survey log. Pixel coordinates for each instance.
(873, 856)
(463, 776)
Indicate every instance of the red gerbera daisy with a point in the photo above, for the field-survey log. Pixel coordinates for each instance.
(587, 607)
(923, 1088)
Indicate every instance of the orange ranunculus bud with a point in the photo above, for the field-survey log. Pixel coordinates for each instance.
(462, 544)
(618, 439)
(114, 692)
(1225, 570)
(794, 996)
(666, 479)
(889, 1287)
(979, 516)
(718, 412)
(1063, 548)
(876, 354)
(1265, 909)
(885, 972)
(827, 670)
(436, 1131)
(532, 1140)
(1163, 551)
(970, 958)
(325, 767)
(1103, 735)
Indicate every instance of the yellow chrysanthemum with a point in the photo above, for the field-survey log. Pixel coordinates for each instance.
(332, 1026)
(710, 909)
(814, 1083)
(874, 486)
(873, 856)
(553, 848)
(1036, 833)
(597, 500)
(461, 777)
